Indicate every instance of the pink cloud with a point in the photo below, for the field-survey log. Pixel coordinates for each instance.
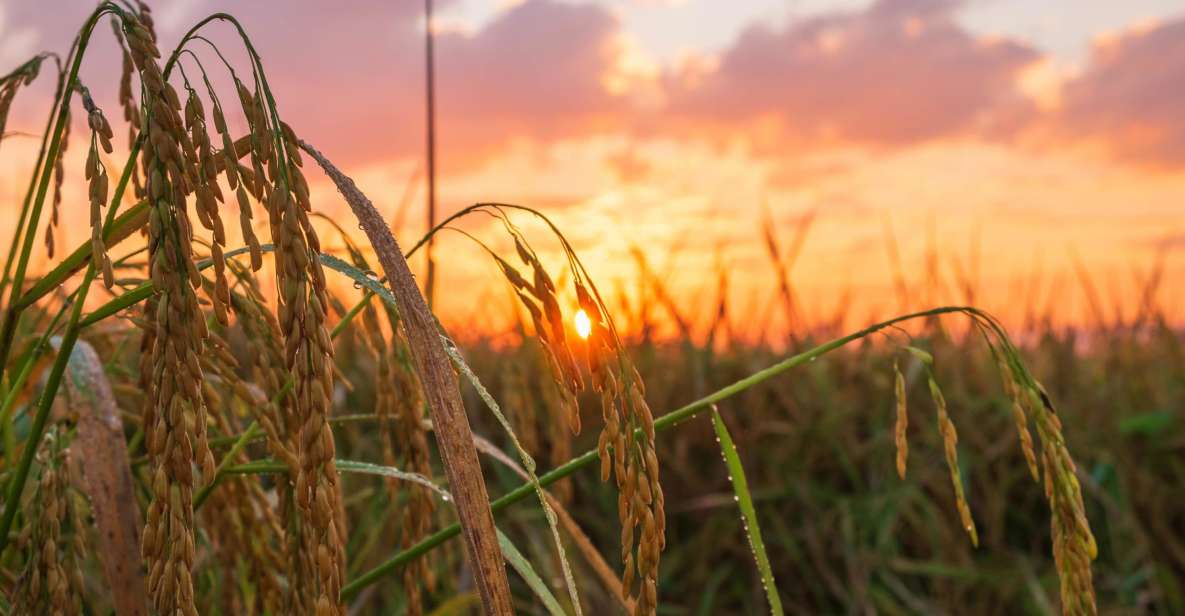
(354, 78)
(899, 72)
(1132, 95)
(350, 78)
(535, 71)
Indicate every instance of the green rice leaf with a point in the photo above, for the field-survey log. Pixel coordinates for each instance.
(524, 569)
(740, 486)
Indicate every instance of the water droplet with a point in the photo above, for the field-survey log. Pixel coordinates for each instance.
(357, 285)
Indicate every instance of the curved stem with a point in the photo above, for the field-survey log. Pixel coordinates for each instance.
(662, 423)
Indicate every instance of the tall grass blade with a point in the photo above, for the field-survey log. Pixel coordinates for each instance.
(534, 582)
(740, 486)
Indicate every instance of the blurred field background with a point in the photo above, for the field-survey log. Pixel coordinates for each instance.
(1036, 175)
(844, 534)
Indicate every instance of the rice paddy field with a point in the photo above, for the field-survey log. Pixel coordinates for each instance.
(226, 402)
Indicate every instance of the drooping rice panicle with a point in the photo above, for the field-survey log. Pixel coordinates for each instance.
(51, 582)
(900, 437)
(175, 417)
(96, 176)
(308, 352)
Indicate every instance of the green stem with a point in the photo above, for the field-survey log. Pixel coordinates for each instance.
(12, 313)
(335, 420)
(663, 423)
(17, 483)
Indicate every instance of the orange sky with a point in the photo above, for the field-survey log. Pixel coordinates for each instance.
(975, 131)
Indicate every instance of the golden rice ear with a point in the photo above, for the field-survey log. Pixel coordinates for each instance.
(1074, 545)
(51, 582)
(208, 195)
(950, 441)
(175, 416)
(899, 429)
(626, 444)
(308, 350)
(59, 172)
(1019, 415)
(243, 527)
(629, 433)
(97, 178)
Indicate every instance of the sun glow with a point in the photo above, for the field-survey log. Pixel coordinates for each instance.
(583, 324)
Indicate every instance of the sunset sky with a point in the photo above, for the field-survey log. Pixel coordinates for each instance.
(1007, 137)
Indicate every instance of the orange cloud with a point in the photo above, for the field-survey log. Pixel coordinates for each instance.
(900, 72)
(1130, 98)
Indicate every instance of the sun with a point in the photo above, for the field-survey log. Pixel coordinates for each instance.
(583, 324)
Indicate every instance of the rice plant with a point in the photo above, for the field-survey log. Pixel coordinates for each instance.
(226, 434)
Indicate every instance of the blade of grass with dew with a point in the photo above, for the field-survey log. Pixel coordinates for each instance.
(513, 557)
(524, 569)
(740, 486)
(269, 466)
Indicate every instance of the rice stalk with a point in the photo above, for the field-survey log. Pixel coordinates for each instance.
(629, 459)
(175, 416)
(440, 389)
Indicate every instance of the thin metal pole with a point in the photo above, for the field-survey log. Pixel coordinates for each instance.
(430, 282)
